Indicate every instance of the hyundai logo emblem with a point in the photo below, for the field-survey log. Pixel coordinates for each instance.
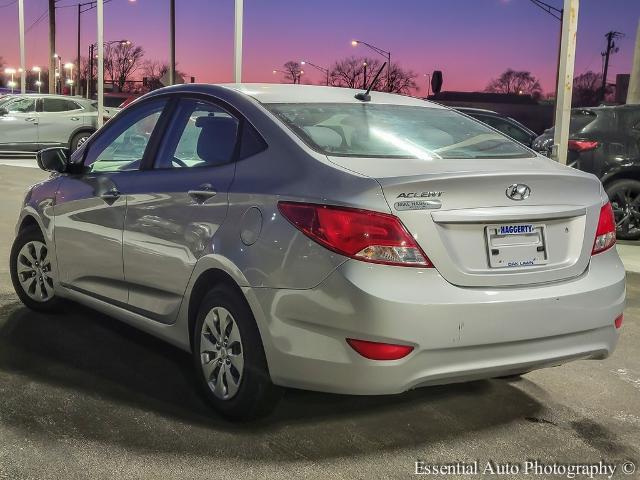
(518, 191)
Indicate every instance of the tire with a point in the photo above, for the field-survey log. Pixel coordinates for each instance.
(30, 260)
(78, 139)
(231, 365)
(625, 200)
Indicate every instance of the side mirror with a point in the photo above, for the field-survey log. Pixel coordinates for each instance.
(3, 111)
(55, 159)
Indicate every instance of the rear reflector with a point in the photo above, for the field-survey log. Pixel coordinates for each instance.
(361, 234)
(618, 321)
(606, 232)
(582, 145)
(379, 351)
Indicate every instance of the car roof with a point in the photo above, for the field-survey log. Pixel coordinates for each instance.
(289, 93)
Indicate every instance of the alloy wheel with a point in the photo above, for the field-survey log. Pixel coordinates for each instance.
(34, 271)
(626, 209)
(221, 353)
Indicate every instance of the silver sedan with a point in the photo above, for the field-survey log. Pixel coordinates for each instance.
(320, 238)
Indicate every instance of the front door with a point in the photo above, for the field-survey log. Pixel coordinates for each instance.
(19, 126)
(173, 213)
(91, 207)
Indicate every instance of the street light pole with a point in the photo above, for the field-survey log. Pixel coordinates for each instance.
(23, 72)
(38, 70)
(322, 69)
(100, 63)
(379, 51)
(428, 75)
(237, 43)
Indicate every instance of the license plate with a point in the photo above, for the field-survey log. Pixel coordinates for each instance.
(516, 245)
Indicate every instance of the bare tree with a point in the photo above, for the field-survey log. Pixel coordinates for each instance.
(358, 72)
(516, 82)
(153, 71)
(401, 80)
(587, 89)
(122, 60)
(353, 72)
(292, 71)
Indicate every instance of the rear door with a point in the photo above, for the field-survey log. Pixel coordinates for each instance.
(179, 204)
(59, 118)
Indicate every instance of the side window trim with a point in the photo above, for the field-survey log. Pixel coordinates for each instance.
(79, 163)
(149, 163)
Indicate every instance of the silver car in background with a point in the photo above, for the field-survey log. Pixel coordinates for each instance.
(31, 122)
(313, 237)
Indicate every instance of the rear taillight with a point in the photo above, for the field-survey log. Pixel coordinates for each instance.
(582, 145)
(618, 321)
(361, 234)
(379, 351)
(606, 232)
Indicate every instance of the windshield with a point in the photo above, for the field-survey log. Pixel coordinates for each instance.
(373, 130)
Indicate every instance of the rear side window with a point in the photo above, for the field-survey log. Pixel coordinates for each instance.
(394, 131)
(58, 105)
(203, 135)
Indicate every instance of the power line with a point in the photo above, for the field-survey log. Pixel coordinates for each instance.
(37, 21)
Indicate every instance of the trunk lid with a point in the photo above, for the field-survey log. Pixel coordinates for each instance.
(475, 234)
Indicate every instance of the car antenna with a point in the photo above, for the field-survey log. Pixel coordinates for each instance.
(365, 97)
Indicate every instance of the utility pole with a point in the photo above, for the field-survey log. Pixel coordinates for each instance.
(611, 46)
(633, 95)
(565, 83)
(52, 46)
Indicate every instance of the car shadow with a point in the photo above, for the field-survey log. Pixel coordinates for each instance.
(84, 375)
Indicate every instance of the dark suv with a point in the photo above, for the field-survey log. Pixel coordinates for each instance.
(605, 141)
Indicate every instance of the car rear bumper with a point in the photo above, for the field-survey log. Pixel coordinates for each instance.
(458, 334)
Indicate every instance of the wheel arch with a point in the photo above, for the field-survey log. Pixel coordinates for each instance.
(28, 221)
(204, 283)
(632, 173)
(83, 129)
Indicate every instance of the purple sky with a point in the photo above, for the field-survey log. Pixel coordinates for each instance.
(472, 41)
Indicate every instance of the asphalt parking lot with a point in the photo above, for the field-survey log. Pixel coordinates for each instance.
(84, 396)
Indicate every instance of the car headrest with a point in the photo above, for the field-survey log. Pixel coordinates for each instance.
(217, 139)
(324, 136)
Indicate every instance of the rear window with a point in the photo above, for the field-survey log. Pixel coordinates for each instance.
(580, 119)
(394, 131)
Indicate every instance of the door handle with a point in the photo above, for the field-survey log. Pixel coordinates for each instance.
(110, 195)
(203, 193)
(75, 119)
(30, 119)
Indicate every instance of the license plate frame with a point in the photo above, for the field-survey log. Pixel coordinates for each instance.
(516, 245)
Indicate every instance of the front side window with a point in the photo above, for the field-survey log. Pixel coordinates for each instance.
(394, 131)
(54, 105)
(204, 134)
(21, 105)
(122, 145)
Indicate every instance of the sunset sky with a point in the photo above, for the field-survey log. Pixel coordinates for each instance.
(471, 41)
